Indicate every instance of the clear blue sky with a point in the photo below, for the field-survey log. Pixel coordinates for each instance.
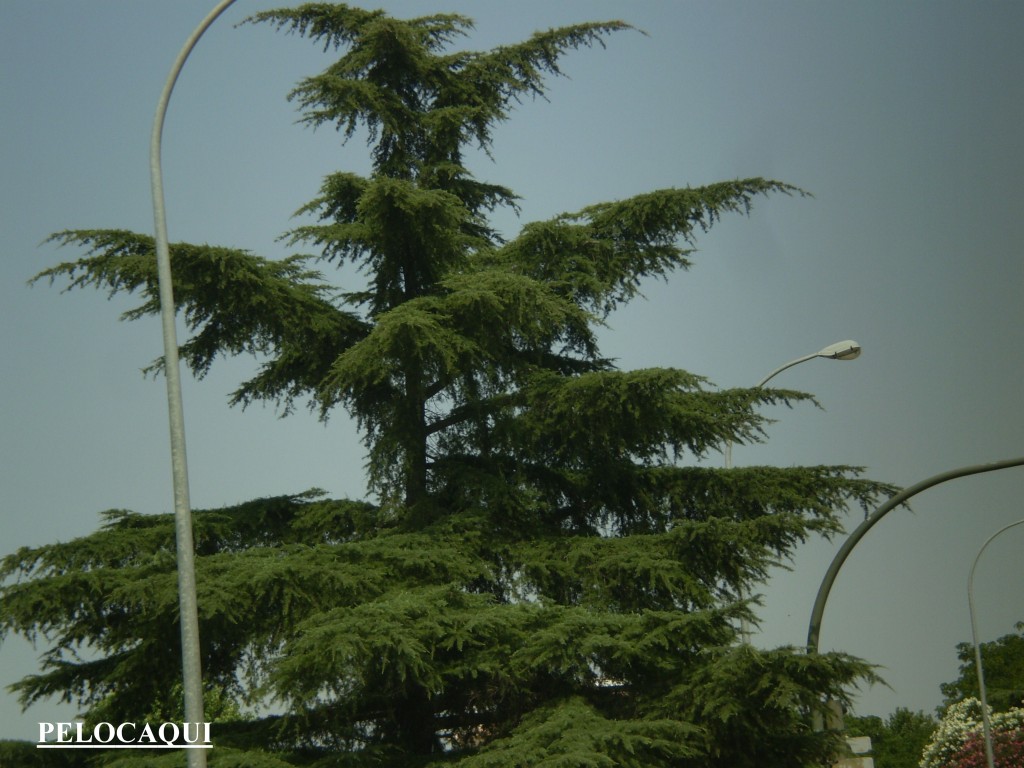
(903, 119)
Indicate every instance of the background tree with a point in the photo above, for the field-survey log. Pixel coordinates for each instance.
(897, 741)
(1003, 660)
(544, 574)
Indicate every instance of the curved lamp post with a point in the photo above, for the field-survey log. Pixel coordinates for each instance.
(986, 723)
(841, 350)
(818, 611)
(192, 675)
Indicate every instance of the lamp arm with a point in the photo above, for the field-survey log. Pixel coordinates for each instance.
(781, 368)
(814, 628)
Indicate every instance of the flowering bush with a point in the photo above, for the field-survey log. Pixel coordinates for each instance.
(959, 741)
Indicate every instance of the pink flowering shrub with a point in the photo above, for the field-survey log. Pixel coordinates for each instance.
(1007, 750)
(959, 741)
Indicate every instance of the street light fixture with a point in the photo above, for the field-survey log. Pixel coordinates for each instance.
(841, 350)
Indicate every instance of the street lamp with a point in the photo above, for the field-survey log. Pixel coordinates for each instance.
(986, 724)
(191, 665)
(841, 350)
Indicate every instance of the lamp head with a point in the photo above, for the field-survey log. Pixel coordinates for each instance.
(841, 350)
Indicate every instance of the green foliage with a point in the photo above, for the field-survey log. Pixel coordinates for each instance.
(1003, 661)
(234, 303)
(570, 733)
(898, 741)
(545, 574)
(24, 754)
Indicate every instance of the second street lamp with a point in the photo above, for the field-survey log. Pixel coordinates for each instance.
(986, 722)
(818, 609)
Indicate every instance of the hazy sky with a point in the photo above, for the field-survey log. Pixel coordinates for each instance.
(904, 120)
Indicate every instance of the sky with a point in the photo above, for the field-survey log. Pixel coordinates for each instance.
(902, 120)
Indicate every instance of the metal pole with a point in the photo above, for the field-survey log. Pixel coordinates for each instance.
(985, 721)
(818, 611)
(192, 675)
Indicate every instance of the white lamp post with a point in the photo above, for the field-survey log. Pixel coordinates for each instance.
(841, 350)
(192, 674)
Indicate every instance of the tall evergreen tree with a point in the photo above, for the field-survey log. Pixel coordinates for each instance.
(544, 575)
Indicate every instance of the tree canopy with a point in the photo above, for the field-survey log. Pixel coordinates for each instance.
(897, 741)
(1003, 662)
(544, 574)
